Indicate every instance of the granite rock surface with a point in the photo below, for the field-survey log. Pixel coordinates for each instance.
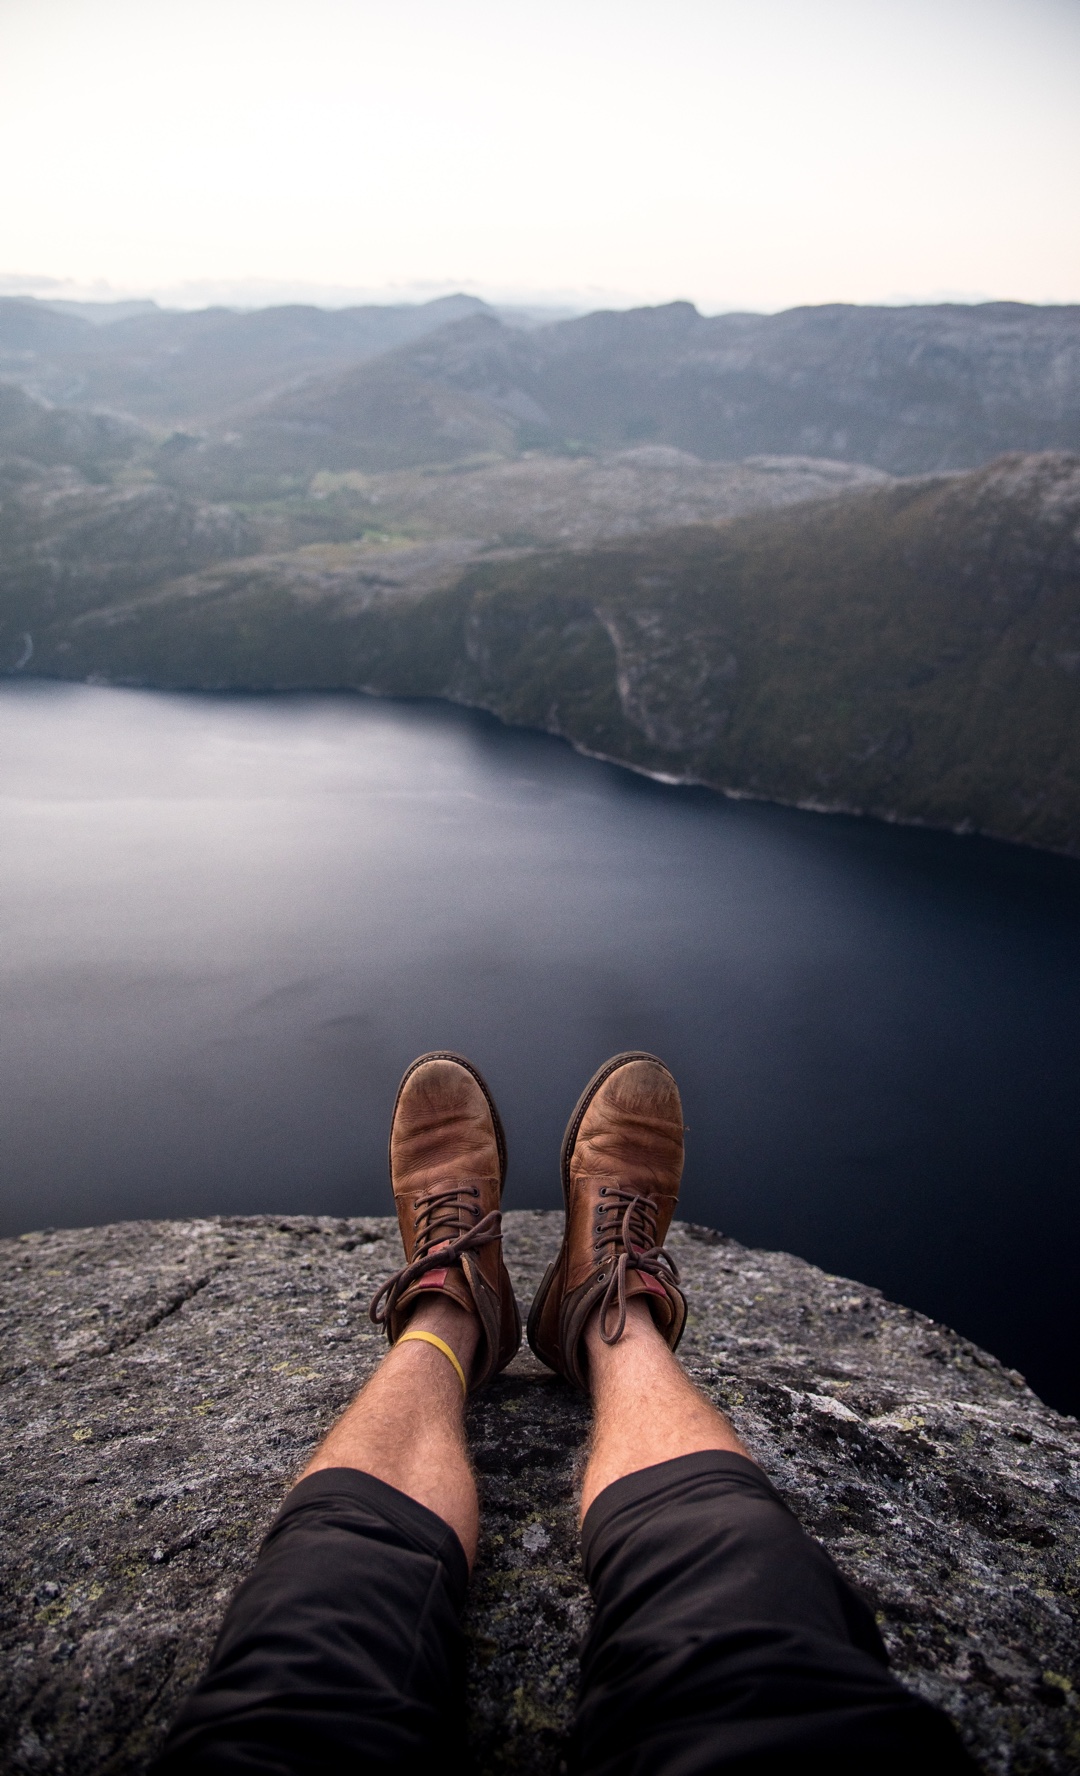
(160, 1383)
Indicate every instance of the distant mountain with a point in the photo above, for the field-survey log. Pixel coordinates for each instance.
(383, 415)
(911, 650)
(171, 368)
(906, 390)
(909, 390)
(268, 398)
(101, 314)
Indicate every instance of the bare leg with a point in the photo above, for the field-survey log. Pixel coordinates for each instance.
(646, 1408)
(407, 1424)
(724, 1638)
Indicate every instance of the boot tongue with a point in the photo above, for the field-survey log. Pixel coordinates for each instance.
(436, 1279)
(446, 1210)
(450, 1281)
(639, 1282)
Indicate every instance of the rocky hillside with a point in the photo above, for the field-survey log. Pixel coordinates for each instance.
(910, 650)
(163, 1382)
(50, 436)
(573, 500)
(70, 543)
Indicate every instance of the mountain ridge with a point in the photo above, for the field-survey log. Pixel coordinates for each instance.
(171, 366)
(793, 383)
(907, 390)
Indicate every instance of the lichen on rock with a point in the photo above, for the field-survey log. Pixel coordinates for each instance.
(163, 1382)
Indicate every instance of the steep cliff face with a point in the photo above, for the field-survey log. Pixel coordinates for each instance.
(911, 652)
(161, 1383)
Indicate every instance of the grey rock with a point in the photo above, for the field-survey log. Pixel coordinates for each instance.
(162, 1383)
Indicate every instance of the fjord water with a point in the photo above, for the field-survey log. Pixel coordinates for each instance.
(229, 923)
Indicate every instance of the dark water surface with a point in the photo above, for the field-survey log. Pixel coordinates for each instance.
(227, 924)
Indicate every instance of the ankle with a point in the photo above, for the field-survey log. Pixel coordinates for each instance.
(455, 1325)
(640, 1331)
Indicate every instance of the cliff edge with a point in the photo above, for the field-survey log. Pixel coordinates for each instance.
(161, 1382)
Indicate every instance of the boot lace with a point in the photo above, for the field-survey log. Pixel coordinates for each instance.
(448, 1224)
(628, 1221)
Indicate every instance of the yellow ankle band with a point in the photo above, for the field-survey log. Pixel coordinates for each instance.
(430, 1338)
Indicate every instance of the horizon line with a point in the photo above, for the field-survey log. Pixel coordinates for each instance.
(253, 293)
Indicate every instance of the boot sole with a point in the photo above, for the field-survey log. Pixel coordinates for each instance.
(569, 1137)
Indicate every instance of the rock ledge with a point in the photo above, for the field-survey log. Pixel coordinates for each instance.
(163, 1381)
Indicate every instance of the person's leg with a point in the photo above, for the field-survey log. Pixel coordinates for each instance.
(645, 1407)
(725, 1639)
(343, 1649)
(407, 1426)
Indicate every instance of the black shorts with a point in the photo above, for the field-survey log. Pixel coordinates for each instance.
(724, 1640)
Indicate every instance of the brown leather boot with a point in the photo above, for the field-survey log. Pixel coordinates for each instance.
(622, 1158)
(447, 1167)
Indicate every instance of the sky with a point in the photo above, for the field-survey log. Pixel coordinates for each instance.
(579, 152)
